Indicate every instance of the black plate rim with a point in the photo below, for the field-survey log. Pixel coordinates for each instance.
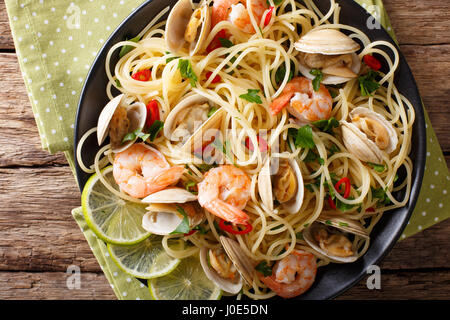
(419, 165)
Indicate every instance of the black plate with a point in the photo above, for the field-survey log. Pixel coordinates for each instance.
(333, 279)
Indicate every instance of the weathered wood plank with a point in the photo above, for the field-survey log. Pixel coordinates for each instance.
(19, 136)
(6, 40)
(52, 286)
(37, 237)
(419, 22)
(433, 285)
(428, 65)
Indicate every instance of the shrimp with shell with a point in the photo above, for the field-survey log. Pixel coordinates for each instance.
(224, 192)
(303, 102)
(142, 170)
(292, 275)
(237, 12)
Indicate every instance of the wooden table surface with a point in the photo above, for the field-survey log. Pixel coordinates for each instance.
(39, 238)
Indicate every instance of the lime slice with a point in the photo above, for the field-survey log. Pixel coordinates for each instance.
(144, 260)
(187, 282)
(111, 218)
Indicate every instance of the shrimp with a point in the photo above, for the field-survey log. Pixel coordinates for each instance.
(292, 275)
(142, 170)
(303, 102)
(224, 192)
(236, 12)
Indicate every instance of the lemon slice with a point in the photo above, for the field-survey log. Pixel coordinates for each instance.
(144, 260)
(187, 282)
(111, 218)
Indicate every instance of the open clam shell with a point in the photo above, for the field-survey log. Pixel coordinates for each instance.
(225, 284)
(329, 42)
(136, 114)
(330, 79)
(163, 219)
(244, 265)
(170, 195)
(193, 108)
(184, 21)
(340, 226)
(266, 186)
(359, 144)
(326, 41)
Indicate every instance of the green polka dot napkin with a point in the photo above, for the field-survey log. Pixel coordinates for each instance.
(56, 42)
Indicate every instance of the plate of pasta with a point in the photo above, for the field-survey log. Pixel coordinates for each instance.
(249, 148)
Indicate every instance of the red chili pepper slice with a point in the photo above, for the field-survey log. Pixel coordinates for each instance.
(268, 16)
(372, 62)
(337, 187)
(228, 227)
(331, 203)
(143, 75)
(371, 209)
(263, 146)
(190, 232)
(216, 79)
(215, 43)
(152, 113)
(347, 183)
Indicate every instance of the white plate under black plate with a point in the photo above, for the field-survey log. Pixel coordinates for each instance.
(333, 279)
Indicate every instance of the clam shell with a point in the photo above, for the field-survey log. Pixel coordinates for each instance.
(224, 284)
(170, 195)
(340, 223)
(176, 25)
(136, 113)
(266, 193)
(361, 111)
(243, 264)
(330, 79)
(162, 219)
(358, 144)
(105, 118)
(326, 41)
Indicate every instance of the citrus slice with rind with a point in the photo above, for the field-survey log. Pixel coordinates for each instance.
(187, 281)
(111, 218)
(146, 259)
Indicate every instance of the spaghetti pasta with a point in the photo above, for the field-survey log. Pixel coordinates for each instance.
(255, 70)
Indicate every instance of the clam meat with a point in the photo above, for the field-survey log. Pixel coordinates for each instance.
(368, 135)
(188, 27)
(331, 52)
(117, 119)
(283, 184)
(334, 236)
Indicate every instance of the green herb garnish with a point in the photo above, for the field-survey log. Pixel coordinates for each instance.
(368, 83)
(299, 235)
(125, 49)
(183, 227)
(226, 42)
(304, 138)
(281, 72)
(326, 125)
(377, 167)
(118, 85)
(187, 72)
(155, 128)
(251, 96)
(380, 194)
(318, 78)
(264, 268)
(211, 111)
(137, 133)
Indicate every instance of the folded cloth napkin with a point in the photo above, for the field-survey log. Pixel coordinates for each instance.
(56, 42)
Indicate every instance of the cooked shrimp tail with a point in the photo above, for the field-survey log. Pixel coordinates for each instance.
(224, 192)
(227, 212)
(303, 102)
